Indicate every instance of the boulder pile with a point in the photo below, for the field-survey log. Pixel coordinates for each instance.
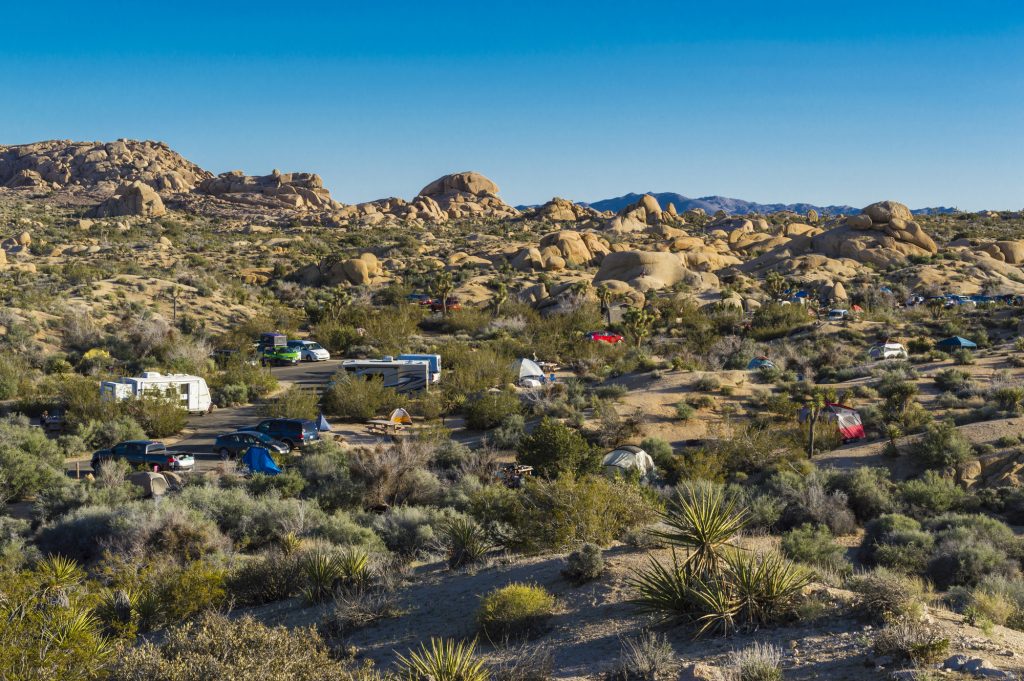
(334, 272)
(57, 164)
(883, 234)
(558, 250)
(132, 198)
(295, 191)
(466, 195)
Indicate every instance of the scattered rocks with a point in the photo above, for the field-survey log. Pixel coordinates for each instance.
(297, 191)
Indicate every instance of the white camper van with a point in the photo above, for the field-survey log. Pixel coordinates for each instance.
(192, 391)
(404, 375)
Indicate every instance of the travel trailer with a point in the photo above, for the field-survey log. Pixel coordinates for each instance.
(433, 360)
(404, 375)
(192, 391)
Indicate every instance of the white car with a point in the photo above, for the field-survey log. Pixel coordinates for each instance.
(310, 351)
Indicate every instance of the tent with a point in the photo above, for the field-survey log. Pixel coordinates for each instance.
(955, 343)
(322, 425)
(527, 372)
(760, 363)
(888, 351)
(400, 416)
(153, 484)
(626, 459)
(846, 420)
(258, 460)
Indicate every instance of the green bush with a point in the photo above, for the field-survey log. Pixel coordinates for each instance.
(814, 545)
(554, 448)
(757, 662)
(910, 640)
(360, 400)
(295, 403)
(585, 564)
(884, 595)
(869, 493)
(108, 432)
(509, 435)
(159, 416)
(942, 445)
(932, 494)
(444, 660)
(490, 409)
(266, 578)
(466, 542)
(515, 611)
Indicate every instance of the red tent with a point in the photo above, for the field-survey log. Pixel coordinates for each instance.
(846, 419)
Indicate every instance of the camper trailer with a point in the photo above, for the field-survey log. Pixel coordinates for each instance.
(192, 391)
(433, 360)
(404, 375)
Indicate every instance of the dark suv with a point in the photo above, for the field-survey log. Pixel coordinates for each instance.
(295, 433)
(145, 453)
(234, 445)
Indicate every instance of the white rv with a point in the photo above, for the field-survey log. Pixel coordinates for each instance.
(404, 375)
(191, 391)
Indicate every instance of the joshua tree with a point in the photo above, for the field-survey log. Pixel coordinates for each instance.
(606, 295)
(500, 296)
(774, 285)
(638, 322)
(443, 287)
(815, 405)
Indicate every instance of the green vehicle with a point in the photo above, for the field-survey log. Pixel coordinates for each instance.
(277, 355)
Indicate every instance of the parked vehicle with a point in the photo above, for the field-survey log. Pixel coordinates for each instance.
(149, 453)
(433, 360)
(838, 315)
(309, 351)
(605, 337)
(453, 303)
(293, 433)
(191, 391)
(234, 445)
(404, 375)
(279, 355)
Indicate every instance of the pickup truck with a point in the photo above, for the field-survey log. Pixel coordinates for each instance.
(148, 453)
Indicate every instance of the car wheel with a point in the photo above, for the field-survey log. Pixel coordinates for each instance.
(289, 444)
(224, 454)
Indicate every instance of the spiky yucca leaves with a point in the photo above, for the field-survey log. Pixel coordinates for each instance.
(466, 542)
(354, 564)
(663, 591)
(443, 660)
(714, 606)
(765, 586)
(322, 571)
(58, 572)
(703, 520)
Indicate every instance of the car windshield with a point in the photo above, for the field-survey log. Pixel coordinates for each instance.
(314, 346)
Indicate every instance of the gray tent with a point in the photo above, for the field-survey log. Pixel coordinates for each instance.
(527, 372)
(626, 459)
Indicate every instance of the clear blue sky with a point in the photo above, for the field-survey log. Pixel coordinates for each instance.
(825, 102)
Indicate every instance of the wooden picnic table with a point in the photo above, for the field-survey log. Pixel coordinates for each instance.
(384, 427)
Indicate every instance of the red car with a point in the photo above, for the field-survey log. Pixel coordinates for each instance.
(605, 337)
(453, 304)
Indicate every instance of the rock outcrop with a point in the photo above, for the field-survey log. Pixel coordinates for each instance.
(564, 210)
(358, 271)
(642, 270)
(56, 164)
(132, 198)
(466, 195)
(296, 191)
(883, 234)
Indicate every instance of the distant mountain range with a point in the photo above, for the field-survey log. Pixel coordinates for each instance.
(713, 204)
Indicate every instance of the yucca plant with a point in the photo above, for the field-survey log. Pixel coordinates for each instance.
(703, 520)
(662, 591)
(715, 606)
(354, 564)
(322, 572)
(118, 609)
(466, 541)
(289, 543)
(444, 660)
(58, 572)
(765, 585)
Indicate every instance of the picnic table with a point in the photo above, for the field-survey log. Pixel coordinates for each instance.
(384, 427)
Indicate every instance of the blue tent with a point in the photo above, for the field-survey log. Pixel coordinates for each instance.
(955, 343)
(322, 425)
(759, 362)
(258, 460)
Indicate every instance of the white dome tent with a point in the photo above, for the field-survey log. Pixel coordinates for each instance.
(626, 459)
(528, 373)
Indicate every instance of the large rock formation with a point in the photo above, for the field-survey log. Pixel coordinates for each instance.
(884, 234)
(643, 270)
(333, 272)
(466, 195)
(131, 198)
(297, 191)
(104, 165)
(563, 210)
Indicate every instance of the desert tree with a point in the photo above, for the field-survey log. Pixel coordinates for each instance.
(443, 287)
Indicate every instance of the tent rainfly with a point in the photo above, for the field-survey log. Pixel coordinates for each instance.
(400, 416)
(759, 363)
(627, 459)
(258, 460)
(527, 372)
(322, 425)
(887, 351)
(846, 420)
(955, 343)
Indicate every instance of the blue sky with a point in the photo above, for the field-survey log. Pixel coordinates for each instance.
(822, 102)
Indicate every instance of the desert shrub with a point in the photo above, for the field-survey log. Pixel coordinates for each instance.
(911, 640)
(956, 381)
(996, 600)
(443, 660)
(649, 656)
(684, 412)
(815, 545)
(108, 432)
(236, 648)
(869, 493)
(963, 357)
(509, 435)
(231, 395)
(466, 542)
(360, 400)
(776, 320)
(884, 595)
(554, 448)
(585, 564)
(706, 384)
(756, 447)
(325, 468)
(487, 410)
(969, 548)
(932, 494)
(515, 611)
(266, 578)
(942, 445)
(407, 530)
(809, 501)
(295, 403)
(325, 570)
(530, 661)
(473, 371)
(356, 608)
(159, 416)
(756, 662)
(552, 515)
